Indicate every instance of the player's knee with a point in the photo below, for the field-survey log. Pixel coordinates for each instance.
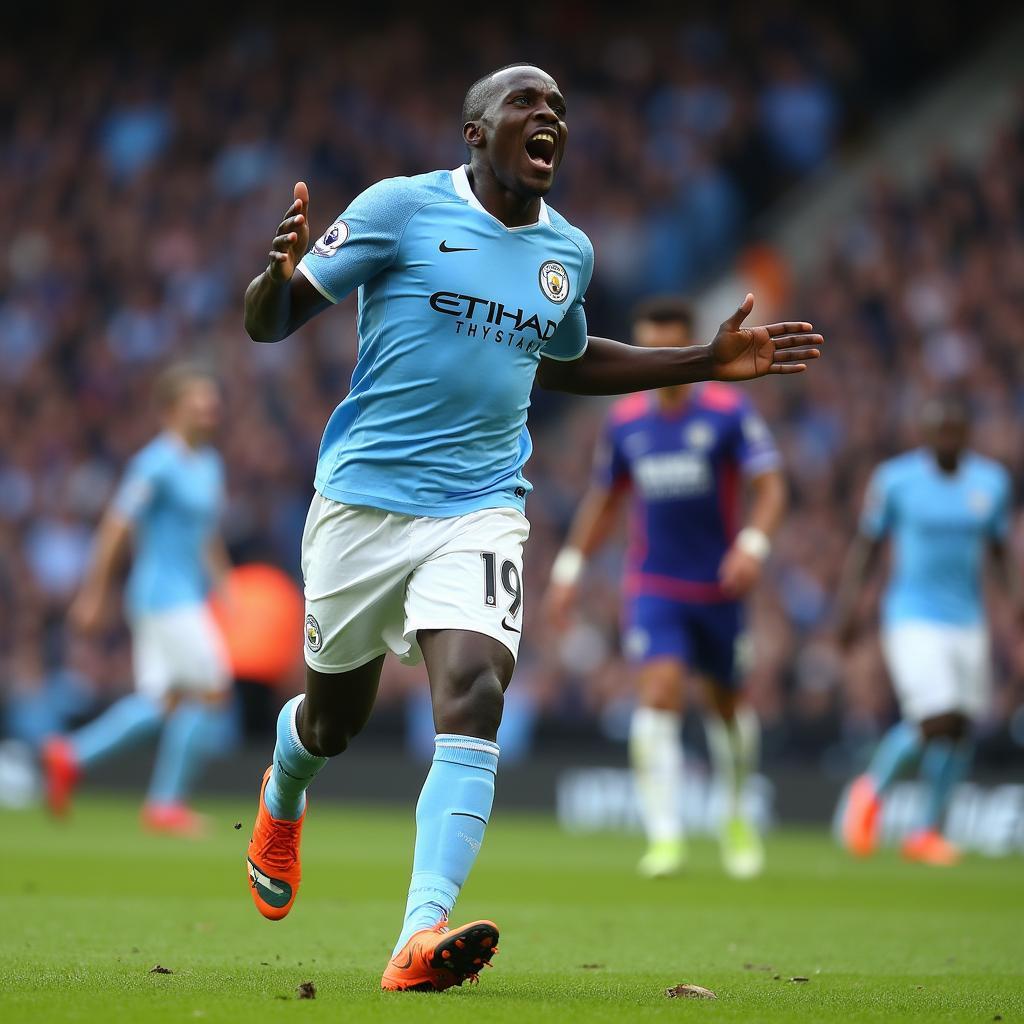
(661, 688)
(328, 736)
(471, 705)
(952, 725)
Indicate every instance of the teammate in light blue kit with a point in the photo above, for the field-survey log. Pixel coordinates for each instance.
(169, 503)
(947, 510)
(470, 289)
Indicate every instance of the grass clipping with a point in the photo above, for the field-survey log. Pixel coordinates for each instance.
(689, 992)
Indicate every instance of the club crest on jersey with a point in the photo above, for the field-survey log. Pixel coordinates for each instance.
(314, 638)
(554, 281)
(334, 238)
(699, 435)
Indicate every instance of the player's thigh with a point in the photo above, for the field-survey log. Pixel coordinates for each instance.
(922, 668)
(153, 672)
(470, 580)
(355, 563)
(972, 656)
(721, 652)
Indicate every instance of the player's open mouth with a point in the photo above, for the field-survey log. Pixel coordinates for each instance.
(540, 148)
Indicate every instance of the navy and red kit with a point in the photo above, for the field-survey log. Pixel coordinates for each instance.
(684, 468)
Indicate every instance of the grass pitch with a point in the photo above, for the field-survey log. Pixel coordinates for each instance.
(89, 907)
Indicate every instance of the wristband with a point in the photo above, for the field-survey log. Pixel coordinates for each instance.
(567, 567)
(754, 542)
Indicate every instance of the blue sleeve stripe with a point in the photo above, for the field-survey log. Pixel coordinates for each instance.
(566, 359)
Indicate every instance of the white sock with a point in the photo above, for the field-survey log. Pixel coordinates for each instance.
(656, 753)
(734, 748)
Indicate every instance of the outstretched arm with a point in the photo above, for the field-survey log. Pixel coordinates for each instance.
(279, 301)
(88, 610)
(592, 526)
(737, 353)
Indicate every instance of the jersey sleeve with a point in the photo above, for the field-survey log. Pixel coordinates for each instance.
(611, 468)
(363, 241)
(877, 517)
(569, 342)
(139, 486)
(755, 446)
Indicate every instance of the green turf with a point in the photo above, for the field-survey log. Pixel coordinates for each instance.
(88, 908)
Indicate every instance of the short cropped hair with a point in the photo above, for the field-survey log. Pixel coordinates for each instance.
(175, 379)
(664, 309)
(481, 92)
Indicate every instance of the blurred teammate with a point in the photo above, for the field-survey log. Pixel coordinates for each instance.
(168, 506)
(681, 451)
(946, 510)
(470, 288)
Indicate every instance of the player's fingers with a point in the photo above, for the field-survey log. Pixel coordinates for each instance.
(789, 328)
(787, 368)
(290, 222)
(741, 314)
(795, 355)
(798, 340)
(301, 194)
(277, 257)
(283, 242)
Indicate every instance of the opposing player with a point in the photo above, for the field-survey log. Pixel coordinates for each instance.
(470, 287)
(680, 452)
(169, 505)
(946, 510)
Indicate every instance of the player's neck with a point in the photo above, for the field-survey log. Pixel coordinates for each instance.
(512, 209)
(948, 462)
(672, 399)
(188, 439)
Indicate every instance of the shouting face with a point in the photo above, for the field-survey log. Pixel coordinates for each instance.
(521, 129)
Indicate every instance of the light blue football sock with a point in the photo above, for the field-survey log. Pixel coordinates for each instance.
(451, 815)
(185, 746)
(294, 767)
(900, 745)
(124, 724)
(944, 764)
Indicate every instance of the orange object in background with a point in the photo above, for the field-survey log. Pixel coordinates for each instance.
(260, 618)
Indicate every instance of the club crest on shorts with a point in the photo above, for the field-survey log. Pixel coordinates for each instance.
(314, 638)
(554, 281)
(334, 238)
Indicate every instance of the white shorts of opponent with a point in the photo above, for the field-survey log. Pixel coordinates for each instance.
(373, 578)
(937, 668)
(179, 651)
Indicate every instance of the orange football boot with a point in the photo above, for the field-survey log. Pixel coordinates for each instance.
(273, 860)
(929, 846)
(62, 774)
(437, 958)
(861, 818)
(174, 819)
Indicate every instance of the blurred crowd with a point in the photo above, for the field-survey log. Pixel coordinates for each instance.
(143, 169)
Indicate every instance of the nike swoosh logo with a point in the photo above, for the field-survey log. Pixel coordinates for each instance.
(261, 879)
(406, 965)
(511, 629)
(445, 247)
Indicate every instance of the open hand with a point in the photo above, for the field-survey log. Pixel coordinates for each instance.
(292, 239)
(742, 353)
(739, 572)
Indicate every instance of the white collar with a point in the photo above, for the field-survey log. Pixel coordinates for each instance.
(463, 189)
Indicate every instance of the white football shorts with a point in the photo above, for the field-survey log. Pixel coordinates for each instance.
(938, 668)
(373, 578)
(179, 651)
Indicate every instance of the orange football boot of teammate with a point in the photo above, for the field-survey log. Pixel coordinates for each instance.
(437, 958)
(62, 774)
(273, 860)
(928, 846)
(174, 819)
(861, 818)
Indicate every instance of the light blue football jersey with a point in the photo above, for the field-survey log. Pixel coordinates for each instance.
(173, 496)
(455, 313)
(940, 525)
